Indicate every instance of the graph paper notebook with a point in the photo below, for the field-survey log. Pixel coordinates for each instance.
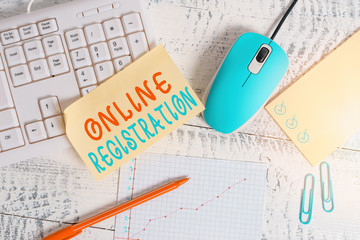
(222, 200)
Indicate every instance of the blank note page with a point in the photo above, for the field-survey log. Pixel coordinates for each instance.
(222, 200)
(321, 110)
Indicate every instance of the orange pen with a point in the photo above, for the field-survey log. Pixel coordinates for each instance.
(76, 229)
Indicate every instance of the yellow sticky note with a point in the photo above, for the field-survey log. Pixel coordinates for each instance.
(129, 112)
(322, 109)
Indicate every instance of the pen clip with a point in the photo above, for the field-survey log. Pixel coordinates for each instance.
(330, 197)
(307, 213)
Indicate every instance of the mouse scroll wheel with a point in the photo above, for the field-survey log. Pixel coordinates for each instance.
(263, 53)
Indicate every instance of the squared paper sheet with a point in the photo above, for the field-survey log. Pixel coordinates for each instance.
(203, 208)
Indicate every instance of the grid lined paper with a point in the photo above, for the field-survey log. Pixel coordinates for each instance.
(222, 200)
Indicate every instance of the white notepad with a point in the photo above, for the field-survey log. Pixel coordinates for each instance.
(222, 200)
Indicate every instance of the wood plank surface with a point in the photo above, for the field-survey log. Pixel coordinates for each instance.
(41, 195)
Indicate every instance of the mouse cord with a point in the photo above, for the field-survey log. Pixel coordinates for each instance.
(283, 19)
(28, 10)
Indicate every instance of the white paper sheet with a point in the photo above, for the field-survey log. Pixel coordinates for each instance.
(222, 200)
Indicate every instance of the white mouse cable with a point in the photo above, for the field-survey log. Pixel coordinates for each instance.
(28, 10)
(283, 20)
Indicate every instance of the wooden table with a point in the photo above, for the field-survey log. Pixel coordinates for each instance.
(46, 193)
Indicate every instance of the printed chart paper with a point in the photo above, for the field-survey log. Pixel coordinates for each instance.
(222, 200)
(321, 110)
(129, 112)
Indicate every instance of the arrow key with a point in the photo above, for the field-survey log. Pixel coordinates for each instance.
(36, 131)
(55, 126)
(49, 107)
(86, 77)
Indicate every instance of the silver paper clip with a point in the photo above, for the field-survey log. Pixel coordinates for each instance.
(307, 213)
(329, 197)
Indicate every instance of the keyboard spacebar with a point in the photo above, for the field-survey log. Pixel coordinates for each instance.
(5, 96)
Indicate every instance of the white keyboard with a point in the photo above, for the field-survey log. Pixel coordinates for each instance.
(51, 57)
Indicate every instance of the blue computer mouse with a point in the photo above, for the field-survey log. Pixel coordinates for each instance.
(245, 80)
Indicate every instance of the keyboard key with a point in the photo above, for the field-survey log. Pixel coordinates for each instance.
(8, 119)
(80, 58)
(75, 39)
(94, 33)
(28, 31)
(36, 131)
(113, 28)
(105, 8)
(99, 52)
(15, 55)
(34, 50)
(47, 26)
(79, 15)
(20, 75)
(58, 64)
(39, 69)
(138, 44)
(87, 90)
(118, 47)
(53, 45)
(90, 12)
(10, 36)
(11, 139)
(1, 64)
(86, 77)
(5, 96)
(132, 23)
(104, 70)
(49, 107)
(54, 126)
(121, 63)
